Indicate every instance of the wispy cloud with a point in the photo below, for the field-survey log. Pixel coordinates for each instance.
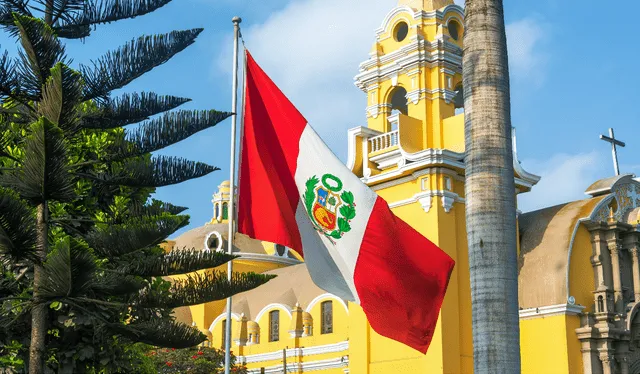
(564, 178)
(312, 50)
(527, 57)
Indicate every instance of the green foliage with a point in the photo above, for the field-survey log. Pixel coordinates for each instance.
(64, 153)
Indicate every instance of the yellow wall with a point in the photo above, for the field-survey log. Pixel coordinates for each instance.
(549, 345)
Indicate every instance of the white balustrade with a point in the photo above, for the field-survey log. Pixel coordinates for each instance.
(384, 141)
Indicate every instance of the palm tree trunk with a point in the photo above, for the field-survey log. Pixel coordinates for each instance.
(490, 191)
(39, 313)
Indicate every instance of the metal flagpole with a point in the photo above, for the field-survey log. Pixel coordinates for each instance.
(232, 185)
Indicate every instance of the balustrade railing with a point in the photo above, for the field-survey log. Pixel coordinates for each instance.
(384, 141)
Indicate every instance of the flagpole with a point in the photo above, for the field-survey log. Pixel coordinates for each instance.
(232, 184)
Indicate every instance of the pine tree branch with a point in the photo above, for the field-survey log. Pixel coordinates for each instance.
(169, 129)
(69, 271)
(177, 262)
(111, 284)
(17, 229)
(118, 240)
(10, 82)
(65, 10)
(60, 98)
(203, 288)
(45, 173)
(105, 11)
(161, 333)
(7, 8)
(156, 208)
(41, 50)
(158, 172)
(129, 109)
(118, 68)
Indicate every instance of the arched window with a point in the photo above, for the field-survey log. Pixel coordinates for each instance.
(216, 210)
(274, 325)
(224, 332)
(600, 304)
(327, 317)
(280, 250)
(225, 211)
(399, 100)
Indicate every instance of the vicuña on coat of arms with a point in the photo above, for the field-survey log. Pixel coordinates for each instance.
(330, 208)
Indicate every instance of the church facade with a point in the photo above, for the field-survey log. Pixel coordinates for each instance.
(579, 272)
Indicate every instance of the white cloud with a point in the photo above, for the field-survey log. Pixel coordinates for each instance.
(564, 178)
(526, 58)
(312, 50)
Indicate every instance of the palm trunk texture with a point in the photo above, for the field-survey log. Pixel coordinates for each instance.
(490, 191)
(37, 348)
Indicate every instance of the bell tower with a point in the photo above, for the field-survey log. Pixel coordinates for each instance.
(411, 152)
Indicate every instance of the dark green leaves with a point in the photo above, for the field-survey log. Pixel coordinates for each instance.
(117, 240)
(44, 174)
(161, 333)
(118, 68)
(157, 172)
(105, 11)
(17, 228)
(61, 96)
(41, 50)
(129, 109)
(202, 288)
(171, 128)
(69, 271)
(178, 262)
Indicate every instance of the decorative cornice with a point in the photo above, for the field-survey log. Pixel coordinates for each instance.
(551, 310)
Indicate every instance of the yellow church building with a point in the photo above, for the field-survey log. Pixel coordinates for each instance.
(579, 276)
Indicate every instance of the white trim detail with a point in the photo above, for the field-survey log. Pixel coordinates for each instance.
(295, 352)
(319, 298)
(335, 363)
(425, 202)
(267, 258)
(450, 197)
(221, 317)
(284, 307)
(206, 240)
(551, 310)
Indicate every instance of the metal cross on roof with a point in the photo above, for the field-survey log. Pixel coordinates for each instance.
(614, 142)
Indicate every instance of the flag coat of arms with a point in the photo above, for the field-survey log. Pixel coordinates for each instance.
(295, 192)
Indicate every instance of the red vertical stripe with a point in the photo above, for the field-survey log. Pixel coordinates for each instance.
(401, 278)
(268, 196)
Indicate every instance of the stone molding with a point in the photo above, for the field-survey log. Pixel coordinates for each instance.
(551, 310)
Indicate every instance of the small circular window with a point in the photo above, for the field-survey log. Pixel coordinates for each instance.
(213, 241)
(401, 31)
(454, 30)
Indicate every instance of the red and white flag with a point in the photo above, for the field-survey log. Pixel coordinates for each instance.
(295, 192)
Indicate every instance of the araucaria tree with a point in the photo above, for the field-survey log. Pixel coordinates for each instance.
(490, 190)
(79, 238)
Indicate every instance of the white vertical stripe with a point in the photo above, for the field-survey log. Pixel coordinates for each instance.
(316, 159)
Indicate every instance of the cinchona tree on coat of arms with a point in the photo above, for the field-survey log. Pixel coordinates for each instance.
(330, 208)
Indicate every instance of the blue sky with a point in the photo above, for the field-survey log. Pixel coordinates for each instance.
(572, 69)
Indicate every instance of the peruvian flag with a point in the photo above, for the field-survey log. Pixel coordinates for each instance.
(295, 192)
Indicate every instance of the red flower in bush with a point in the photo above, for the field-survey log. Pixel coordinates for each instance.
(169, 363)
(200, 353)
(194, 357)
(173, 349)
